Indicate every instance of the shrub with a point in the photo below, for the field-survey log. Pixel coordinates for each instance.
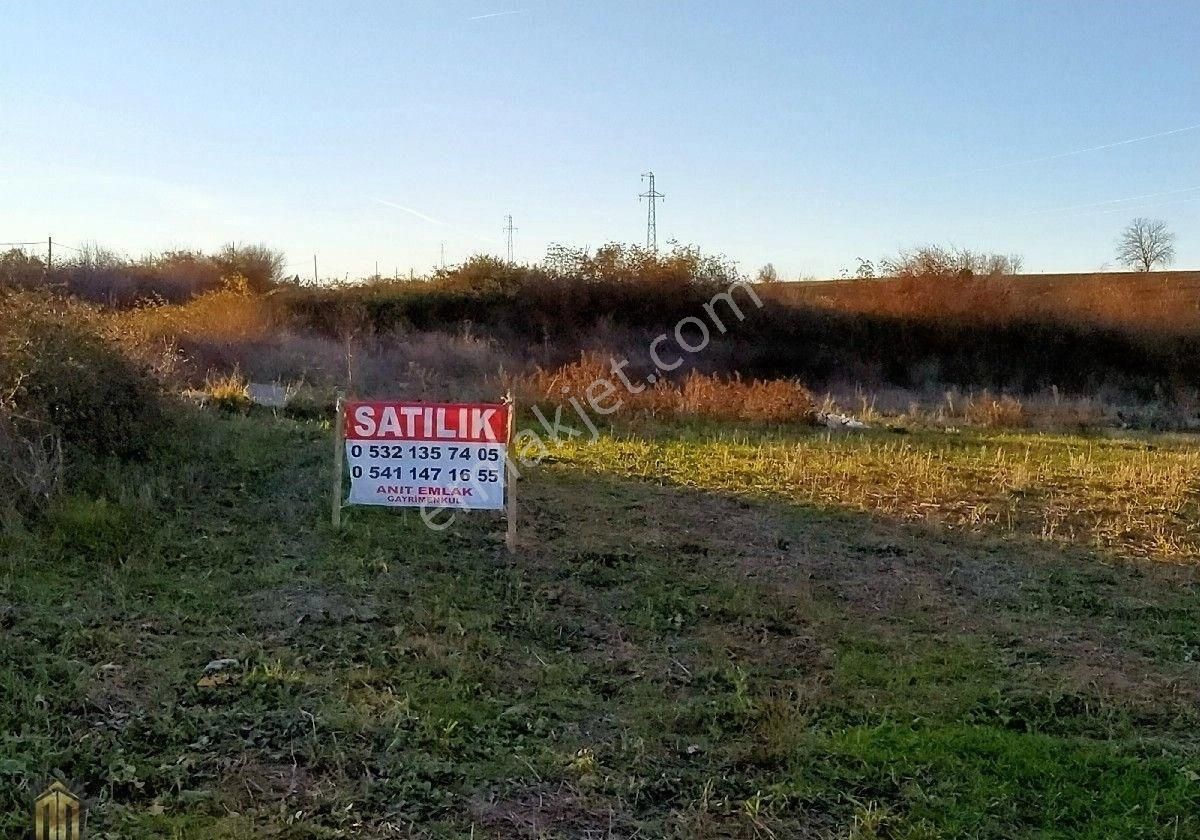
(19, 270)
(101, 276)
(572, 290)
(936, 261)
(225, 314)
(260, 266)
(62, 373)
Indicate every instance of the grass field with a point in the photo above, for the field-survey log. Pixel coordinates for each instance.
(710, 631)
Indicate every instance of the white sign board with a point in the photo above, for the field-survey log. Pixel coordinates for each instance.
(437, 455)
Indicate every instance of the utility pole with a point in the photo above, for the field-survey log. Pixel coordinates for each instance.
(443, 253)
(315, 280)
(651, 224)
(49, 252)
(508, 230)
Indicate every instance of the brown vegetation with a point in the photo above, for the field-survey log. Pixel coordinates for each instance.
(101, 276)
(696, 395)
(1005, 343)
(1165, 301)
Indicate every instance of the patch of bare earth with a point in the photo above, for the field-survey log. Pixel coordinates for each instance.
(250, 782)
(116, 691)
(546, 811)
(282, 609)
(1086, 659)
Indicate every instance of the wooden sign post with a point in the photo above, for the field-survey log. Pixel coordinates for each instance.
(339, 454)
(510, 480)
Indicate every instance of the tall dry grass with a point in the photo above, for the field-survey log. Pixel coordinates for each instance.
(695, 395)
(234, 329)
(31, 463)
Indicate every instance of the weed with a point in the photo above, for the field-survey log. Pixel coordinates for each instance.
(229, 392)
(669, 660)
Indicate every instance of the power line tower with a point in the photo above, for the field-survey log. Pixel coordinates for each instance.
(508, 231)
(653, 196)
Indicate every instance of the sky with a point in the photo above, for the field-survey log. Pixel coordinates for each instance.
(801, 134)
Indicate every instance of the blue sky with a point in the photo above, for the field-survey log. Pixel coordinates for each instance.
(801, 134)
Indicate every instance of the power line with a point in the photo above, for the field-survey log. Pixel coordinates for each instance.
(508, 230)
(651, 222)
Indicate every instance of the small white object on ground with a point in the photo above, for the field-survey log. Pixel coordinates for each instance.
(220, 665)
(839, 421)
(272, 396)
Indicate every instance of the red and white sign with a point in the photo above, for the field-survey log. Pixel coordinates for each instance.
(448, 455)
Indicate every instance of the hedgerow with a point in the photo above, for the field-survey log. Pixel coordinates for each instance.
(69, 391)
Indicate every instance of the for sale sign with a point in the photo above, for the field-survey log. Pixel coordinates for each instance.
(439, 455)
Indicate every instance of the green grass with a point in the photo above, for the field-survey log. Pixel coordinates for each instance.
(690, 644)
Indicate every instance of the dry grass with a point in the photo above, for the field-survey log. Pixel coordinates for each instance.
(1122, 496)
(228, 392)
(1047, 410)
(696, 395)
(995, 411)
(31, 466)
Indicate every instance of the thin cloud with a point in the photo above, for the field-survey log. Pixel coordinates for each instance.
(1138, 207)
(1105, 203)
(490, 240)
(498, 14)
(416, 213)
(1084, 151)
(945, 176)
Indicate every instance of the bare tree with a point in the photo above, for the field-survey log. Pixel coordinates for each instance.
(1145, 244)
(767, 274)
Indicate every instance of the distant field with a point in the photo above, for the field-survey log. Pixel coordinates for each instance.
(718, 631)
(1160, 300)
